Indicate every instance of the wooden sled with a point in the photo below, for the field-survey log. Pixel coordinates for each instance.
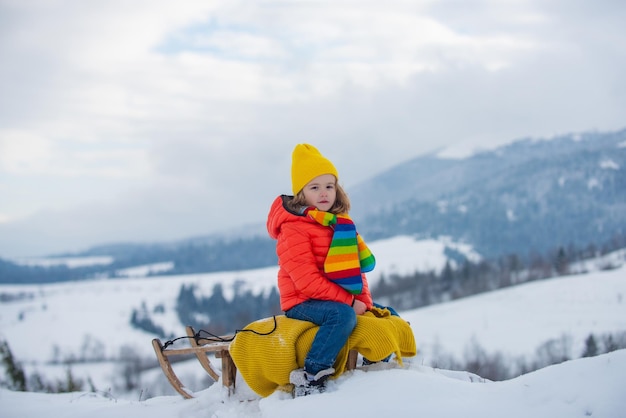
(201, 347)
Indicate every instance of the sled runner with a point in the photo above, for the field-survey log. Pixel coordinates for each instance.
(201, 347)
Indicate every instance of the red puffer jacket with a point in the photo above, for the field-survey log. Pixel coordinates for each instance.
(301, 248)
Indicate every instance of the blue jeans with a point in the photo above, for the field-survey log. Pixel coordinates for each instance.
(336, 321)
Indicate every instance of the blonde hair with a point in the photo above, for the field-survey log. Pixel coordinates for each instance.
(341, 205)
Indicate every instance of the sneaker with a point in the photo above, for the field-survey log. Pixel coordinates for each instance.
(306, 384)
(367, 362)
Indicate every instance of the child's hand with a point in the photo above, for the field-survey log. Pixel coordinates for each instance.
(359, 307)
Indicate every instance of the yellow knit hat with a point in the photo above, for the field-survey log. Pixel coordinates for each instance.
(306, 164)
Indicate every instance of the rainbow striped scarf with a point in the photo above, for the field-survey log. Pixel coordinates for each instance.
(348, 256)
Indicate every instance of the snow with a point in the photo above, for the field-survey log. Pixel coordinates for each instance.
(585, 387)
(510, 215)
(609, 164)
(78, 318)
(70, 262)
(100, 310)
(146, 270)
(404, 255)
(465, 149)
(516, 321)
(594, 183)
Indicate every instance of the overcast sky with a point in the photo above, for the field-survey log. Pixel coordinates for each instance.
(158, 120)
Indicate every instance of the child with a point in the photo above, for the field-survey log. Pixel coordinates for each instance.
(322, 262)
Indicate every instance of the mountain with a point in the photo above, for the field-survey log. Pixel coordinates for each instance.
(528, 196)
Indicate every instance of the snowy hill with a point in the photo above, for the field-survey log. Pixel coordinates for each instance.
(89, 320)
(99, 311)
(517, 321)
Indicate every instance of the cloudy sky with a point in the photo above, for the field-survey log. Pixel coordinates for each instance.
(159, 120)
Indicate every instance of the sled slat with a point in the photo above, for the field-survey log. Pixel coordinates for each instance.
(193, 350)
(201, 355)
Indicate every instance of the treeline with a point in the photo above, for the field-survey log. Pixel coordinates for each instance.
(129, 366)
(219, 315)
(214, 314)
(16, 379)
(188, 257)
(492, 233)
(13, 273)
(497, 367)
(141, 318)
(239, 254)
(469, 278)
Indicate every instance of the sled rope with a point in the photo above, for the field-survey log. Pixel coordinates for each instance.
(215, 338)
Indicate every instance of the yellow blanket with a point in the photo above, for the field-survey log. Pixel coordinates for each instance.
(265, 361)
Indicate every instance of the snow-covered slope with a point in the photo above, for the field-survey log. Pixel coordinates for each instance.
(56, 321)
(66, 318)
(516, 321)
(586, 387)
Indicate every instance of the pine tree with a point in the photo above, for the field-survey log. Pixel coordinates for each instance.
(591, 347)
(561, 263)
(15, 373)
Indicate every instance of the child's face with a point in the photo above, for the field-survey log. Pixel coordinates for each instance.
(321, 192)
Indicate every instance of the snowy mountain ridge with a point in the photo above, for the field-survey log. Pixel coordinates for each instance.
(529, 195)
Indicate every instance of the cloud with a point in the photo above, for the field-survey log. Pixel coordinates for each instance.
(23, 153)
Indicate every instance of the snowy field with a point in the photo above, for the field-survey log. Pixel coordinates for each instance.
(65, 319)
(45, 322)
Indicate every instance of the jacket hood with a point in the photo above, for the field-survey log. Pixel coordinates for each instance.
(279, 214)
